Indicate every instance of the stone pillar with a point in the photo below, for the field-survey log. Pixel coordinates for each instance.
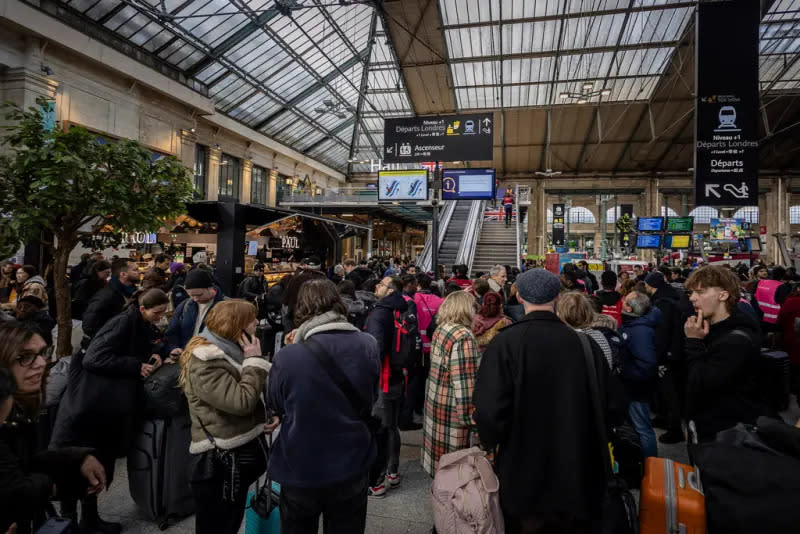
(212, 176)
(537, 219)
(272, 188)
(776, 217)
(247, 181)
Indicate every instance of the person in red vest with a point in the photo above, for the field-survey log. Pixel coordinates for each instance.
(610, 299)
(769, 294)
(789, 314)
(460, 277)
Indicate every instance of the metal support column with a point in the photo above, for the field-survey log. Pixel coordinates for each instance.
(435, 223)
(369, 237)
(603, 227)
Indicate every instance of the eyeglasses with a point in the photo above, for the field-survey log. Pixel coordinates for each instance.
(27, 358)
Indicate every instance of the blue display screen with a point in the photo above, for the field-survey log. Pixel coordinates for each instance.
(472, 184)
(648, 241)
(650, 224)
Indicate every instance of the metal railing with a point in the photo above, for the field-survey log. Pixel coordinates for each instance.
(518, 222)
(469, 242)
(426, 256)
(343, 195)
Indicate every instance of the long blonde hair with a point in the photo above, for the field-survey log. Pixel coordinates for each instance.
(227, 319)
(458, 308)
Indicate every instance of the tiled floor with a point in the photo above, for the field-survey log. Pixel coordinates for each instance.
(406, 509)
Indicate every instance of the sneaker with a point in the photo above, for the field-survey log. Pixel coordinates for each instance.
(393, 480)
(378, 491)
(671, 437)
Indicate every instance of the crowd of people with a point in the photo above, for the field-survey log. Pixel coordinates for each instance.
(343, 360)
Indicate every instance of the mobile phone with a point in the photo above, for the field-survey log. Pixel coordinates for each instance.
(152, 361)
(247, 336)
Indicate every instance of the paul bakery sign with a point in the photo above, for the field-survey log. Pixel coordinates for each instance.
(726, 134)
(434, 138)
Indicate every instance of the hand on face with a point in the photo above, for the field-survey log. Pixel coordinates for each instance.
(696, 327)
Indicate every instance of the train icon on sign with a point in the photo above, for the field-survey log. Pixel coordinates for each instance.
(727, 120)
(469, 127)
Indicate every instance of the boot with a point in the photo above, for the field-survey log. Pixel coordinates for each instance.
(91, 522)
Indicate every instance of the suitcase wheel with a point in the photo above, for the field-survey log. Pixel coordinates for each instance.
(163, 524)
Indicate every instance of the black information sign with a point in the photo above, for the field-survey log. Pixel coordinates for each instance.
(435, 138)
(726, 127)
(558, 225)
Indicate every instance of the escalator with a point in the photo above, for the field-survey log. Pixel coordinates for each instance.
(454, 234)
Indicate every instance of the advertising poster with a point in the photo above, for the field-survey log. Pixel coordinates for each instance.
(403, 185)
(727, 105)
(726, 230)
(439, 138)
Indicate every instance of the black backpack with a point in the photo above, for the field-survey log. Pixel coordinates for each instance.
(406, 342)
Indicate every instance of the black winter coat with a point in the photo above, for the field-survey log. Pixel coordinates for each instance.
(27, 476)
(669, 333)
(380, 324)
(723, 376)
(253, 286)
(106, 303)
(532, 399)
(105, 381)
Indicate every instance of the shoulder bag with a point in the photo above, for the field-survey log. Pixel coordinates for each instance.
(619, 507)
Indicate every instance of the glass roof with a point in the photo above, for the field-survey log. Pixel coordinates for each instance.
(518, 53)
(296, 78)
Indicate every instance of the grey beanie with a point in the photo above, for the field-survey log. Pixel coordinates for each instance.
(538, 286)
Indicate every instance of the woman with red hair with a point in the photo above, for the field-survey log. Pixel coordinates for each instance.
(489, 320)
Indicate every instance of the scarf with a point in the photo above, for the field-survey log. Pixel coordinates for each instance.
(225, 345)
(481, 324)
(329, 320)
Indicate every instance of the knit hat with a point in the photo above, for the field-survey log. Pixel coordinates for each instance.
(198, 279)
(176, 266)
(538, 286)
(656, 280)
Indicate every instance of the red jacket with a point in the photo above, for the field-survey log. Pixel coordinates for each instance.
(463, 283)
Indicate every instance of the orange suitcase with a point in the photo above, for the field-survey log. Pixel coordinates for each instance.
(672, 500)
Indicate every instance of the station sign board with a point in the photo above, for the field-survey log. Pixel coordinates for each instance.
(559, 212)
(468, 184)
(439, 138)
(727, 105)
(403, 185)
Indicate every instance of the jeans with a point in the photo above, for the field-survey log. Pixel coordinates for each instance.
(388, 460)
(508, 215)
(343, 508)
(640, 416)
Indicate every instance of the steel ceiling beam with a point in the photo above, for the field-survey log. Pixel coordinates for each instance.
(543, 162)
(782, 73)
(675, 140)
(373, 28)
(579, 163)
(311, 89)
(548, 82)
(232, 41)
(566, 16)
(551, 53)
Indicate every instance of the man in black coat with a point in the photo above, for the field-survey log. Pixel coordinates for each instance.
(254, 285)
(722, 356)
(532, 400)
(110, 300)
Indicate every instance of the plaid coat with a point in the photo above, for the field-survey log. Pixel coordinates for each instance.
(448, 397)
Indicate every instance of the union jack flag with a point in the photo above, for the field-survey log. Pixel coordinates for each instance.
(497, 214)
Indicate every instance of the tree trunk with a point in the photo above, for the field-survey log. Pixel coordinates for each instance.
(63, 296)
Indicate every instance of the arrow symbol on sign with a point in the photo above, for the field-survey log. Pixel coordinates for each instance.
(712, 188)
(487, 122)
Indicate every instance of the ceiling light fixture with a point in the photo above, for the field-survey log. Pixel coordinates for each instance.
(337, 109)
(585, 95)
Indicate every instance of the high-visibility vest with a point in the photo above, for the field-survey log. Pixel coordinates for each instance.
(765, 296)
(614, 311)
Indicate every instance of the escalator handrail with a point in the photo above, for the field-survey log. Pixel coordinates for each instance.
(469, 242)
(517, 223)
(425, 257)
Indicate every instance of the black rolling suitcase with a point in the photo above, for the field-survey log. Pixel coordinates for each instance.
(159, 466)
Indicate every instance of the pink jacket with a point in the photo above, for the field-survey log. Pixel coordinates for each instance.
(427, 306)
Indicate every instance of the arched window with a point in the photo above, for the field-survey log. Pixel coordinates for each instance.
(581, 215)
(703, 214)
(668, 212)
(794, 215)
(611, 216)
(748, 214)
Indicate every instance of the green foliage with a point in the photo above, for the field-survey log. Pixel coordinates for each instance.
(10, 241)
(624, 224)
(74, 186)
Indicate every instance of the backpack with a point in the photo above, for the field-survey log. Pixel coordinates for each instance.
(406, 342)
(163, 397)
(466, 494)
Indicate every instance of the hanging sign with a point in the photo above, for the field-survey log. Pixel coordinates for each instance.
(435, 138)
(726, 109)
(558, 225)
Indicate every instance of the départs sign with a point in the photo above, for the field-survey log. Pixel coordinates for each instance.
(435, 138)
